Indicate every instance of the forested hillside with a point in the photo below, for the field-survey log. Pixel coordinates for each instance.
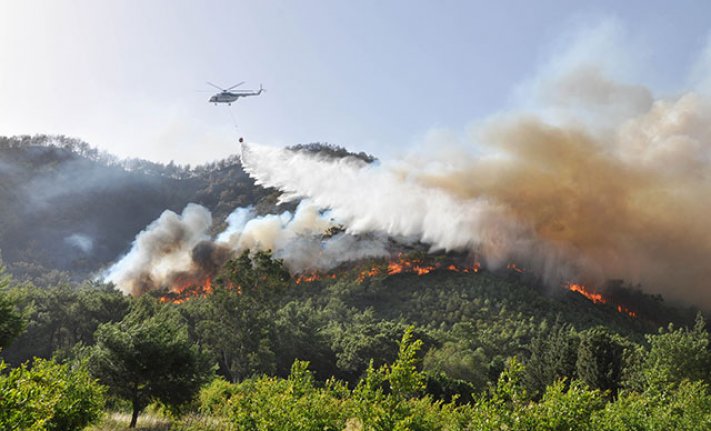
(412, 341)
(68, 207)
(480, 335)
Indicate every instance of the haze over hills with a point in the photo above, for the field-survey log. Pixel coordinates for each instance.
(68, 207)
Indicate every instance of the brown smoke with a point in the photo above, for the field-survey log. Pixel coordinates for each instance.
(635, 201)
(600, 180)
(603, 183)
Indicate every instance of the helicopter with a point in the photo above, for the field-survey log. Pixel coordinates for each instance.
(228, 96)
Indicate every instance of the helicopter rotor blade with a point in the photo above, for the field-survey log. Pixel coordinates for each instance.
(216, 86)
(236, 85)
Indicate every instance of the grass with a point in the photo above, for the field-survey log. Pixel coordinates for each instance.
(115, 421)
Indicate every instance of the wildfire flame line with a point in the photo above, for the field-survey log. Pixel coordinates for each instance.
(186, 287)
(310, 277)
(396, 266)
(597, 298)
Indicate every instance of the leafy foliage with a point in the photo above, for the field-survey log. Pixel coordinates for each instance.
(49, 396)
(554, 353)
(679, 354)
(269, 403)
(11, 320)
(147, 356)
(60, 317)
(479, 351)
(600, 360)
(332, 151)
(687, 407)
(296, 403)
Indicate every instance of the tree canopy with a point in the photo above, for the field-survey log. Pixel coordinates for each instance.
(147, 356)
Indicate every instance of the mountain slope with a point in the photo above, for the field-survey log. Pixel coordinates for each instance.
(66, 207)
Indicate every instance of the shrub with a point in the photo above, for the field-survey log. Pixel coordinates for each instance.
(49, 396)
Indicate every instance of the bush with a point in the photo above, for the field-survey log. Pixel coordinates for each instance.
(385, 399)
(686, 407)
(562, 409)
(49, 396)
(214, 396)
(273, 404)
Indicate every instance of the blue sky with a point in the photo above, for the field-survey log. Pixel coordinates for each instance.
(376, 76)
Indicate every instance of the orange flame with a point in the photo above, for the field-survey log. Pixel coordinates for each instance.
(627, 311)
(512, 266)
(405, 265)
(186, 287)
(597, 298)
(454, 268)
(398, 265)
(313, 276)
(414, 266)
(369, 273)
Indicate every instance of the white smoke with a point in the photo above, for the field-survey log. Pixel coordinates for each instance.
(384, 199)
(83, 242)
(376, 199)
(599, 179)
(176, 244)
(596, 178)
(299, 239)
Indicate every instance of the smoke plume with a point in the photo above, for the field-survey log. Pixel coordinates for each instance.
(625, 195)
(594, 179)
(178, 249)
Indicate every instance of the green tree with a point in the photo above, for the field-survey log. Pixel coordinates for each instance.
(61, 316)
(600, 360)
(148, 356)
(236, 323)
(406, 381)
(389, 397)
(678, 354)
(11, 320)
(459, 362)
(362, 339)
(554, 354)
(276, 404)
(237, 331)
(686, 407)
(301, 333)
(504, 407)
(565, 407)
